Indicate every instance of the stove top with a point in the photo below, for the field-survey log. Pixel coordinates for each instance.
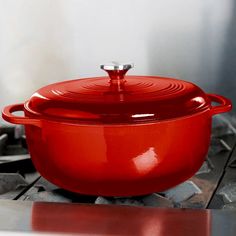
(212, 187)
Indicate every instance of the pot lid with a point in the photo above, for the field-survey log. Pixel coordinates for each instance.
(118, 98)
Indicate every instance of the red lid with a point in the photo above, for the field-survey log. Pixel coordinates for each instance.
(118, 99)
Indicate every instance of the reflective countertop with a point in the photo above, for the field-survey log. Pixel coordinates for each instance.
(85, 219)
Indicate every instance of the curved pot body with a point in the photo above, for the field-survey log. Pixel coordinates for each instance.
(120, 160)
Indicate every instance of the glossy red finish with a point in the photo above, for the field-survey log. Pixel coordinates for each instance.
(123, 160)
(118, 138)
(119, 160)
(119, 220)
(132, 100)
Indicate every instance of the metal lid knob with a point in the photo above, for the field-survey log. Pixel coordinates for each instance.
(114, 65)
(116, 70)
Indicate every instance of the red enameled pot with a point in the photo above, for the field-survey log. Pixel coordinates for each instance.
(123, 136)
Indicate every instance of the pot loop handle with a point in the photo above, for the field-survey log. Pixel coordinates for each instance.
(225, 104)
(8, 116)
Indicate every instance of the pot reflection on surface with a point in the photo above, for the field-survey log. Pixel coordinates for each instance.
(118, 220)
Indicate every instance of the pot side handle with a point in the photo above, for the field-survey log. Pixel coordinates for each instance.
(225, 104)
(8, 116)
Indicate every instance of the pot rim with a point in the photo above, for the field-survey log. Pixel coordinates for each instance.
(93, 124)
(225, 105)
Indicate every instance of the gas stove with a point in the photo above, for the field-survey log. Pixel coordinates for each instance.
(212, 187)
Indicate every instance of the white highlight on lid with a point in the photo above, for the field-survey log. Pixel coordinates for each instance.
(39, 96)
(198, 99)
(142, 115)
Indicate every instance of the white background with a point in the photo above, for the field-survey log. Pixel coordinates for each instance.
(45, 41)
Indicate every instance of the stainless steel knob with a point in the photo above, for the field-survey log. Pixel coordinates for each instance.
(116, 66)
(116, 70)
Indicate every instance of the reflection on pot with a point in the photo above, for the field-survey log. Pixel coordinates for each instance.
(146, 162)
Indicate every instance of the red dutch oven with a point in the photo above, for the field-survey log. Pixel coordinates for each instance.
(118, 135)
